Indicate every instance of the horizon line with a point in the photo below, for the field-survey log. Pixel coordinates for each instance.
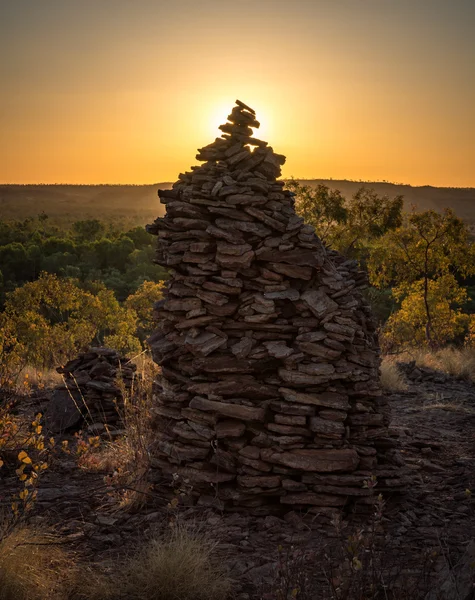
(127, 184)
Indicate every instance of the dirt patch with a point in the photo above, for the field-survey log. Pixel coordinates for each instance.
(434, 517)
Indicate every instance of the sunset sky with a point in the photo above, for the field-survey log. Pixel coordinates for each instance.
(124, 91)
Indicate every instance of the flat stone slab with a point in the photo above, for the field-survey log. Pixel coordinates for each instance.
(323, 461)
(64, 410)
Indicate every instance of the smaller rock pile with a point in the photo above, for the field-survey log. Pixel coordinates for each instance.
(419, 374)
(92, 392)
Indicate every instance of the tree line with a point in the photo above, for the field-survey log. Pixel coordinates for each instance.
(62, 289)
(420, 264)
(87, 250)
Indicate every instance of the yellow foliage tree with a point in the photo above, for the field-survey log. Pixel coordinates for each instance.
(420, 259)
(346, 224)
(51, 319)
(11, 352)
(142, 302)
(470, 337)
(407, 326)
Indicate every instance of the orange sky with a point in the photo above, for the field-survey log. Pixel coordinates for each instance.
(123, 91)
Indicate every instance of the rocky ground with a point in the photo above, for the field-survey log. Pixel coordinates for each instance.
(428, 531)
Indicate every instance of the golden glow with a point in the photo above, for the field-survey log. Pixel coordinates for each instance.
(219, 114)
(217, 117)
(87, 98)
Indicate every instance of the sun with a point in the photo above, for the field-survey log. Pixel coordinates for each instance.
(218, 116)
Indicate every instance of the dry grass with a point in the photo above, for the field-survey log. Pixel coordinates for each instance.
(132, 453)
(181, 567)
(455, 405)
(392, 380)
(31, 378)
(126, 459)
(92, 584)
(110, 457)
(146, 367)
(457, 362)
(33, 566)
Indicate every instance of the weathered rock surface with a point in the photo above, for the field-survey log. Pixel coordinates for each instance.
(424, 542)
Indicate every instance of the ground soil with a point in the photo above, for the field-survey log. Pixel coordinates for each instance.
(426, 532)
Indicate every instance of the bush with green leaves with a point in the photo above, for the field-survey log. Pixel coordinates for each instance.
(424, 261)
(50, 320)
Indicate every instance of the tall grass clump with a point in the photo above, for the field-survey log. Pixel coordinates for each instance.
(33, 565)
(392, 379)
(182, 566)
(457, 362)
(127, 458)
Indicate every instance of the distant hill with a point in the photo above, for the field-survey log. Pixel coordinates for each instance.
(461, 200)
(68, 203)
(140, 204)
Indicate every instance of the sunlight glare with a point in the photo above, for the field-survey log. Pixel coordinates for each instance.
(218, 116)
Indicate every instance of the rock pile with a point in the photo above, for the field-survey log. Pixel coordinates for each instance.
(269, 392)
(92, 392)
(419, 374)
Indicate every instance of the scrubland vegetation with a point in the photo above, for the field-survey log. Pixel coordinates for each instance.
(35, 565)
(62, 290)
(88, 251)
(91, 282)
(420, 265)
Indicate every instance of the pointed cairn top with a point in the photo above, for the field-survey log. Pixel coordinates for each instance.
(241, 120)
(245, 107)
(237, 134)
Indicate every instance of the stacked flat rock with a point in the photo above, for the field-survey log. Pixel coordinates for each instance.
(269, 389)
(91, 391)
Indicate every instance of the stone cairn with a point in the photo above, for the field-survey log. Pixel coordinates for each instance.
(91, 392)
(269, 390)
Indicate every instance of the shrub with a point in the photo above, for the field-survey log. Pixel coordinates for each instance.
(457, 362)
(180, 567)
(142, 302)
(392, 379)
(23, 445)
(50, 320)
(33, 566)
(126, 459)
(407, 327)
